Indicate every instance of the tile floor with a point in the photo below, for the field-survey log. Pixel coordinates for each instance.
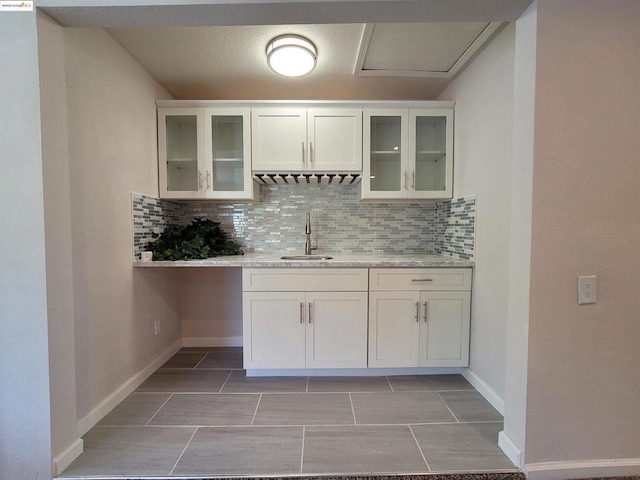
(199, 415)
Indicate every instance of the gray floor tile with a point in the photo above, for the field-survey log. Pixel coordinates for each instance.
(304, 409)
(400, 408)
(239, 383)
(243, 451)
(357, 449)
(462, 446)
(348, 384)
(222, 359)
(136, 409)
(185, 381)
(184, 360)
(207, 409)
(470, 407)
(130, 451)
(429, 382)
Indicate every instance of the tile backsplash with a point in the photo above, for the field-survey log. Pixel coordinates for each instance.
(339, 222)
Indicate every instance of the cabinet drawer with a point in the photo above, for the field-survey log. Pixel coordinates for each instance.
(420, 279)
(304, 279)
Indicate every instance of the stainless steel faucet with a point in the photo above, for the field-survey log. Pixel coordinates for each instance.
(307, 231)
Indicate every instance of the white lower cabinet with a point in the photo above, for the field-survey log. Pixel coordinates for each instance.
(325, 328)
(419, 317)
(296, 318)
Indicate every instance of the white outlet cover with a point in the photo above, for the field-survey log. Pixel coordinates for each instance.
(587, 289)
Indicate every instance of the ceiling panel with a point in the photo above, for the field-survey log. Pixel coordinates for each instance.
(428, 47)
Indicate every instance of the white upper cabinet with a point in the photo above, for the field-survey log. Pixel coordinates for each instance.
(227, 141)
(408, 154)
(181, 152)
(299, 139)
(205, 153)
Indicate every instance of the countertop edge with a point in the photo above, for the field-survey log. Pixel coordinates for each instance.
(272, 261)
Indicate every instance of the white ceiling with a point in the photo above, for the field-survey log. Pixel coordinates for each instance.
(229, 62)
(215, 49)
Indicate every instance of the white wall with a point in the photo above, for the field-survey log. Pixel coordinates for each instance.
(25, 435)
(512, 438)
(583, 382)
(112, 147)
(483, 151)
(57, 205)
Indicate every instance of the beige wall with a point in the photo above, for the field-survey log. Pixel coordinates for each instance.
(211, 306)
(57, 207)
(112, 147)
(584, 385)
(484, 114)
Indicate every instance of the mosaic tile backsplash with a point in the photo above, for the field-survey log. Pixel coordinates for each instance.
(339, 222)
(151, 215)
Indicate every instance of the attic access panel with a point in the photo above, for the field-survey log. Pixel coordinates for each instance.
(437, 50)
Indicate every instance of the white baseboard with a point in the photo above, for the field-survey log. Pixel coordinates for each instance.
(98, 413)
(510, 449)
(487, 392)
(350, 372)
(617, 467)
(212, 342)
(67, 457)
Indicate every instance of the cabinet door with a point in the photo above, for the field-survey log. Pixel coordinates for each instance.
(228, 153)
(385, 143)
(393, 329)
(444, 329)
(181, 152)
(279, 139)
(274, 329)
(336, 330)
(431, 153)
(335, 139)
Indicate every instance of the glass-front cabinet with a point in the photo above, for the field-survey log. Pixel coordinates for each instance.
(407, 154)
(228, 153)
(205, 153)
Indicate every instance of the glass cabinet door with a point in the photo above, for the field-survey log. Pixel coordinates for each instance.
(385, 149)
(430, 139)
(180, 153)
(227, 149)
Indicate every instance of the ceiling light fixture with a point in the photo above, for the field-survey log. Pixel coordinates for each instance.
(291, 55)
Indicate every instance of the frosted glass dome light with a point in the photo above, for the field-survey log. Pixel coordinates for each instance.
(291, 55)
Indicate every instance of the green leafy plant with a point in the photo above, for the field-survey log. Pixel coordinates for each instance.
(203, 238)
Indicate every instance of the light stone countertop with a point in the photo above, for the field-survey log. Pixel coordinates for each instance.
(340, 260)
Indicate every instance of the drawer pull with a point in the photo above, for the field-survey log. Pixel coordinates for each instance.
(417, 312)
(301, 312)
(426, 307)
(422, 279)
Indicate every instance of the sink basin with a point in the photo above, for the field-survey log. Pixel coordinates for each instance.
(306, 257)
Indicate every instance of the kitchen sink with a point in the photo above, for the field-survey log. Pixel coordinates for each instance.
(306, 257)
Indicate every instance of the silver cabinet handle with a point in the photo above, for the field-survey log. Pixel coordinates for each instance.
(199, 180)
(406, 179)
(422, 279)
(417, 311)
(301, 312)
(208, 176)
(426, 307)
(413, 180)
(310, 312)
(311, 152)
(302, 153)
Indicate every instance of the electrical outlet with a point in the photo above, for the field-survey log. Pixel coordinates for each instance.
(157, 327)
(587, 289)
